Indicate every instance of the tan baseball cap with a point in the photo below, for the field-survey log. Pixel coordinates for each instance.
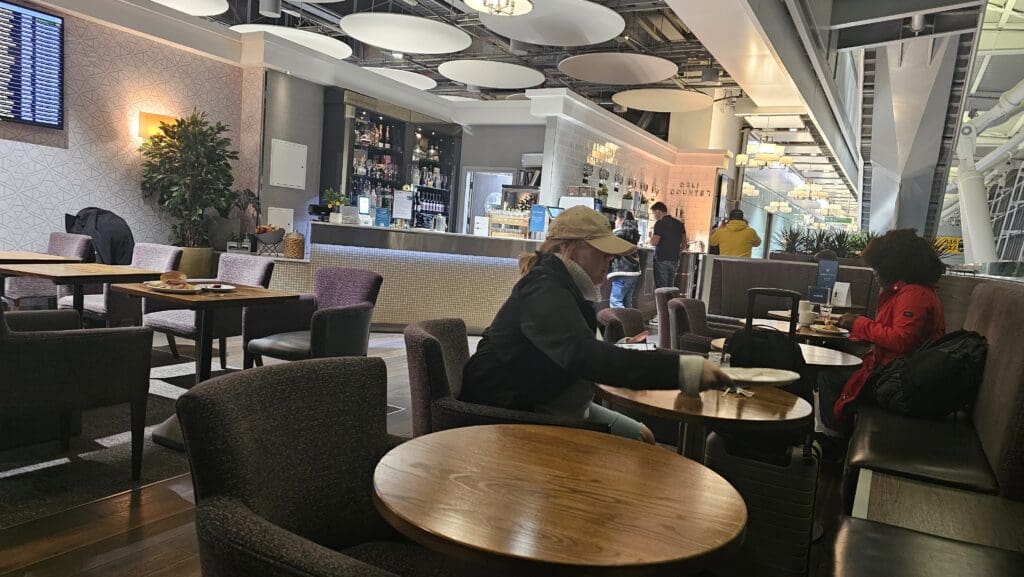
(582, 223)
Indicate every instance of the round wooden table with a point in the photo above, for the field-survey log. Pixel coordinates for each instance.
(531, 499)
(814, 356)
(771, 409)
(802, 332)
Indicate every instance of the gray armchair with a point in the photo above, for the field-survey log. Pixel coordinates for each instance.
(52, 371)
(22, 288)
(117, 309)
(334, 321)
(619, 323)
(282, 462)
(437, 351)
(238, 269)
(688, 326)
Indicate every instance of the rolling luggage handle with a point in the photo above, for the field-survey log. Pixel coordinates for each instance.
(794, 296)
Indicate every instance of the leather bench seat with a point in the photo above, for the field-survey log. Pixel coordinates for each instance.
(868, 549)
(943, 452)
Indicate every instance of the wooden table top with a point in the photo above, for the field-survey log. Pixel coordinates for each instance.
(536, 499)
(23, 257)
(242, 296)
(814, 355)
(80, 272)
(771, 408)
(805, 332)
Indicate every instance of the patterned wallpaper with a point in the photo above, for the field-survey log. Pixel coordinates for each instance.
(110, 76)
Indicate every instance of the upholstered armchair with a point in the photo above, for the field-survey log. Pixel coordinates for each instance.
(52, 370)
(689, 330)
(117, 309)
(282, 461)
(334, 321)
(235, 269)
(437, 351)
(661, 298)
(620, 323)
(20, 288)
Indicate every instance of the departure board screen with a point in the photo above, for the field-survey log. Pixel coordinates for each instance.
(31, 66)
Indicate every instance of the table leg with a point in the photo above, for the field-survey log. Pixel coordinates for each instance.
(692, 441)
(78, 297)
(168, 433)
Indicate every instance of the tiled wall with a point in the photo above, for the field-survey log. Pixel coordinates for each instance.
(417, 285)
(110, 76)
(572, 145)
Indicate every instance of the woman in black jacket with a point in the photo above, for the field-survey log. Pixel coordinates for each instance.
(541, 352)
(625, 269)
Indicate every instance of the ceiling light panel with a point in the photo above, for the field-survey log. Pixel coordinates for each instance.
(621, 68)
(196, 7)
(559, 23)
(662, 100)
(323, 44)
(404, 33)
(405, 77)
(487, 74)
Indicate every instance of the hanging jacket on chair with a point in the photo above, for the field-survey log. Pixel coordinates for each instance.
(111, 237)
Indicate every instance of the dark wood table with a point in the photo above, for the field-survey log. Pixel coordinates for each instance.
(23, 257)
(802, 332)
(168, 433)
(79, 274)
(814, 355)
(770, 409)
(529, 500)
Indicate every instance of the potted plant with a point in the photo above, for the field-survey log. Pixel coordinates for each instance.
(339, 202)
(791, 239)
(187, 168)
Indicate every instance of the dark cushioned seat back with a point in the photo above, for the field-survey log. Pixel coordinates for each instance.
(731, 277)
(661, 298)
(339, 287)
(997, 312)
(437, 351)
(296, 443)
(619, 323)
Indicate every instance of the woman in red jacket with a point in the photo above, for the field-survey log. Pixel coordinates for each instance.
(909, 315)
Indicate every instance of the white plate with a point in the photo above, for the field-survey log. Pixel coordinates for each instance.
(155, 285)
(222, 288)
(761, 376)
(835, 330)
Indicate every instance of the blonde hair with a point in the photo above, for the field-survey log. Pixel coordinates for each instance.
(528, 260)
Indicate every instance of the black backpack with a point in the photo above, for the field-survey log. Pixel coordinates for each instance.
(939, 378)
(756, 346)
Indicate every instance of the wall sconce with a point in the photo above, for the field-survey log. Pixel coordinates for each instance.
(149, 123)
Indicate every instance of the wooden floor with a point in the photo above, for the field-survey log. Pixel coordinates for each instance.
(150, 531)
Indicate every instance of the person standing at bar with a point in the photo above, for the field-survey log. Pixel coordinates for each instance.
(667, 237)
(625, 269)
(736, 238)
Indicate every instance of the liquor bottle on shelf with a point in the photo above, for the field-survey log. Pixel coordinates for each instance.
(387, 138)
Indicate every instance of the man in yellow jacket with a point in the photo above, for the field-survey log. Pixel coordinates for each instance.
(736, 238)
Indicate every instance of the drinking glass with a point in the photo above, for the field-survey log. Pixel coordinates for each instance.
(826, 314)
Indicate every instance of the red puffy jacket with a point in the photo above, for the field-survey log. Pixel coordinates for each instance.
(909, 315)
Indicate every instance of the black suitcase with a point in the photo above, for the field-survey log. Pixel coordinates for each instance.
(766, 347)
(779, 485)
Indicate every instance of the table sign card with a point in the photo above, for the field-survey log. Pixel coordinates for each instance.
(382, 218)
(818, 294)
(828, 270)
(841, 294)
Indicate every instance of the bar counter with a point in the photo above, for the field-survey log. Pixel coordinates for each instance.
(427, 274)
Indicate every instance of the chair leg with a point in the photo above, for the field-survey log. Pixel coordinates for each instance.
(173, 346)
(222, 346)
(138, 427)
(65, 429)
(258, 359)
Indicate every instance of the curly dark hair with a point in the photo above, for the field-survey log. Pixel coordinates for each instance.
(901, 255)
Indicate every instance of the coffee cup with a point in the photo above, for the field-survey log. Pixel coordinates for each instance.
(806, 318)
(806, 306)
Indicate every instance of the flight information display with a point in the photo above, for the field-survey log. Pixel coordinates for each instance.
(31, 66)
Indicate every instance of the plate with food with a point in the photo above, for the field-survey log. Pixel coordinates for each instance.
(761, 376)
(217, 287)
(173, 282)
(829, 329)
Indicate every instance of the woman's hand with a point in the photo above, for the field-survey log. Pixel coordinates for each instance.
(846, 321)
(711, 377)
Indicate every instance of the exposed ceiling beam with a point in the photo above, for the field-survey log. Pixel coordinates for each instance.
(890, 31)
(851, 13)
(1001, 42)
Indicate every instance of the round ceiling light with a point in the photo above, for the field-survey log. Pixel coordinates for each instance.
(404, 33)
(196, 7)
(560, 23)
(324, 44)
(662, 100)
(489, 74)
(405, 77)
(501, 7)
(625, 68)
